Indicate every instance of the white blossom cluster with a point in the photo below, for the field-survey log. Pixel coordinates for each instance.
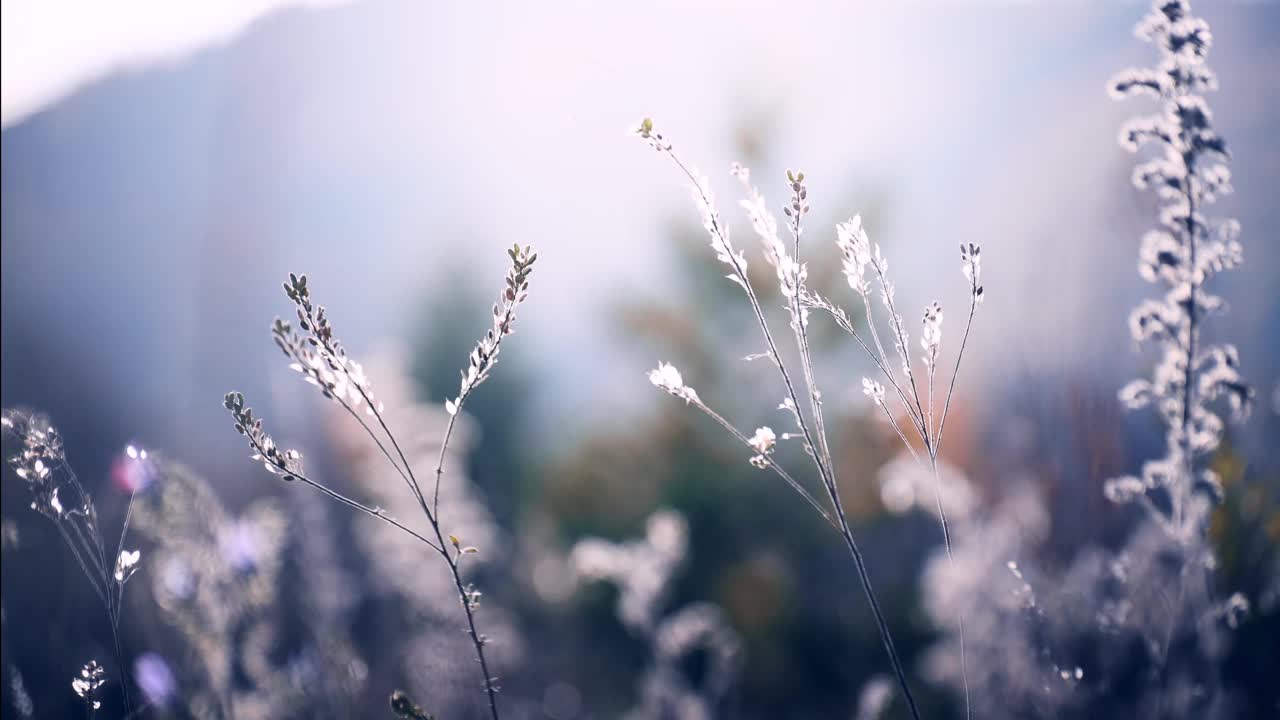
(1187, 172)
(667, 377)
(86, 684)
(40, 454)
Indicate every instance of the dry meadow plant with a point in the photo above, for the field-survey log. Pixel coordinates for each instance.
(1183, 254)
(56, 493)
(1142, 629)
(322, 360)
(1177, 492)
(925, 416)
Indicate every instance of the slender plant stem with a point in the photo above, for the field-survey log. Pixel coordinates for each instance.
(951, 560)
(476, 639)
(1188, 384)
(354, 504)
(842, 321)
(124, 674)
(448, 433)
(885, 637)
(769, 461)
(955, 372)
(94, 581)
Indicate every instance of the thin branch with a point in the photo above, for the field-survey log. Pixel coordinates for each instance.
(769, 461)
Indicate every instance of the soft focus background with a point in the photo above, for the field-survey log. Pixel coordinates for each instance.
(165, 167)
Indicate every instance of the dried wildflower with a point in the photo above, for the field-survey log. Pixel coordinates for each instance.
(1183, 255)
(763, 442)
(287, 464)
(126, 565)
(971, 266)
(86, 685)
(57, 493)
(317, 354)
(862, 263)
(1147, 610)
(1188, 173)
(485, 354)
(321, 358)
(931, 337)
(668, 378)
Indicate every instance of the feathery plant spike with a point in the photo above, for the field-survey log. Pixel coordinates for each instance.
(1188, 172)
(803, 403)
(317, 354)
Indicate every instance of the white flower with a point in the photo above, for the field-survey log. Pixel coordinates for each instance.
(127, 564)
(667, 377)
(764, 440)
(92, 677)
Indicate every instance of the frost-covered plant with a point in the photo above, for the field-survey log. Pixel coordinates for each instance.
(864, 267)
(317, 354)
(1183, 254)
(1188, 249)
(643, 570)
(56, 493)
(1139, 630)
